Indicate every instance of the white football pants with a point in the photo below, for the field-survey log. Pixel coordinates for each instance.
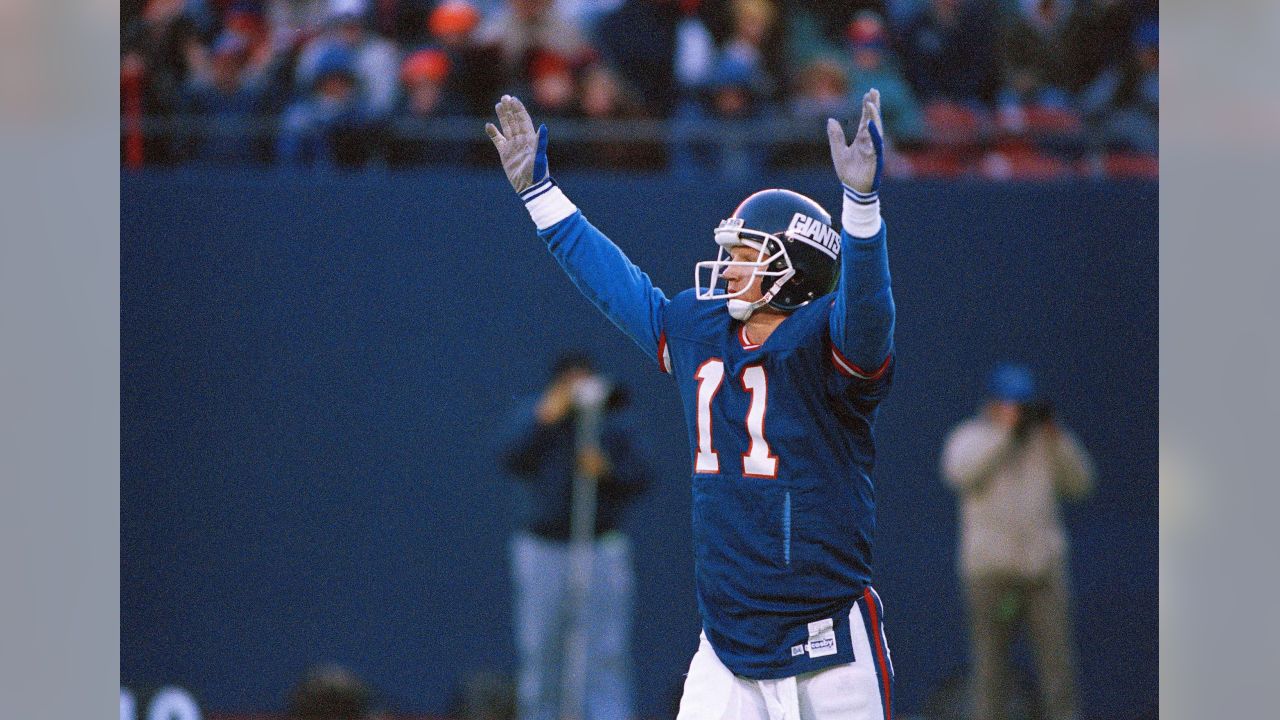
(860, 690)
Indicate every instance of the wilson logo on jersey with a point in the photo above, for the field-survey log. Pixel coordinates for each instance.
(815, 232)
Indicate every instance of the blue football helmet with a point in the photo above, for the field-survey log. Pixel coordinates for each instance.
(797, 253)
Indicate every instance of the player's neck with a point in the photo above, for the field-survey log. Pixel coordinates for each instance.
(762, 323)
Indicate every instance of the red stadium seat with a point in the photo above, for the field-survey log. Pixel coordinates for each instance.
(1025, 165)
(1052, 121)
(1131, 165)
(934, 164)
(951, 124)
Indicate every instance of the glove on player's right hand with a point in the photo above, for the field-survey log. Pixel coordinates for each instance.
(522, 150)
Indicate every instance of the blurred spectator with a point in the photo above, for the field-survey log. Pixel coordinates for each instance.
(402, 21)
(1033, 54)
(695, 50)
(374, 60)
(755, 31)
(521, 30)
(424, 77)
(162, 46)
(552, 89)
(586, 14)
(1122, 105)
(229, 93)
(816, 28)
(740, 84)
(475, 76)
(331, 125)
(247, 20)
(833, 18)
(294, 20)
(1008, 466)
(543, 449)
(821, 92)
(948, 52)
(1097, 36)
(640, 41)
(734, 90)
(806, 39)
(604, 96)
(735, 97)
(694, 56)
(1044, 64)
(756, 41)
(873, 65)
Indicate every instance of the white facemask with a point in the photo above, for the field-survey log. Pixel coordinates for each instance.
(769, 249)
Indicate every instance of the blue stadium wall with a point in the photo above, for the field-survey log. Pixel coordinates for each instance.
(315, 368)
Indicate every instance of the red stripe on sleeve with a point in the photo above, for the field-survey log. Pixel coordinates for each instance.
(849, 369)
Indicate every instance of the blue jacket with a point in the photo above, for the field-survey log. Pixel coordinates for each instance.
(544, 457)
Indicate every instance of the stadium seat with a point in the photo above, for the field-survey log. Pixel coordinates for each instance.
(951, 124)
(1131, 165)
(1023, 165)
(934, 164)
(1052, 121)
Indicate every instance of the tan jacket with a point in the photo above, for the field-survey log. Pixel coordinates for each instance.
(1009, 521)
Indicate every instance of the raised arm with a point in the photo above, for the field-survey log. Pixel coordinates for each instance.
(598, 267)
(863, 317)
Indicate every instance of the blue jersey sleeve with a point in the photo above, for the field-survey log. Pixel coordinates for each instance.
(862, 317)
(609, 280)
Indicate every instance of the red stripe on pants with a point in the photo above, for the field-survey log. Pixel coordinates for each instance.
(884, 669)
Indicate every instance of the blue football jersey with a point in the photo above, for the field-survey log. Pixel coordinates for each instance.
(781, 447)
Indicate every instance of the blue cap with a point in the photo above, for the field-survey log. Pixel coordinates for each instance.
(733, 71)
(1011, 382)
(335, 60)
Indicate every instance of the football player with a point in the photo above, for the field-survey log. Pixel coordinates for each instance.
(781, 352)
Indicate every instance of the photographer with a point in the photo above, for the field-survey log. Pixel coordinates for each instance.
(1008, 465)
(546, 450)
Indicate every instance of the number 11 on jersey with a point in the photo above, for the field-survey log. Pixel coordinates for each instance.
(757, 461)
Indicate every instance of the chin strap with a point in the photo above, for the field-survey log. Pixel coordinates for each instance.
(740, 310)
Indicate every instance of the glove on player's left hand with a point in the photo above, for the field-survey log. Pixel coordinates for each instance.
(523, 151)
(861, 164)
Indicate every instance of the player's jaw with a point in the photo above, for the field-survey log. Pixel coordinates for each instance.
(737, 277)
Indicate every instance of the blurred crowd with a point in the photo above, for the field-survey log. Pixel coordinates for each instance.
(1002, 88)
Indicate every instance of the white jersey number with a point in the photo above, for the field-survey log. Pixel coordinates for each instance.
(758, 461)
(710, 374)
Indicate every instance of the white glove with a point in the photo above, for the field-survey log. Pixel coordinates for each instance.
(523, 151)
(860, 165)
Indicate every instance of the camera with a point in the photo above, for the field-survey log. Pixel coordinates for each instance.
(1033, 415)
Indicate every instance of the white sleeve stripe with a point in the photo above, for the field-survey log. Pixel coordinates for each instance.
(535, 190)
(549, 207)
(861, 197)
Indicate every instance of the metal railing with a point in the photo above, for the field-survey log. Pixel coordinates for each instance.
(743, 133)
